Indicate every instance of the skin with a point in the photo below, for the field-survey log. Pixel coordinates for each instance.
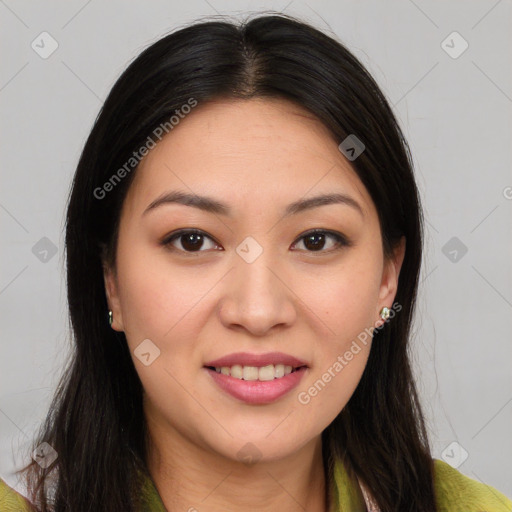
(257, 156)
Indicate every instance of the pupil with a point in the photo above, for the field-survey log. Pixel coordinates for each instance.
(189, 241)
(317, 241)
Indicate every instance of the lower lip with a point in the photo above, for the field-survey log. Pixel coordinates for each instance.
(256, 391)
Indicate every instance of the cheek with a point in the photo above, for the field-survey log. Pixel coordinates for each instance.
(346, 303)
(345, 297)
(354, 300)
(156, 298)
(162, 303)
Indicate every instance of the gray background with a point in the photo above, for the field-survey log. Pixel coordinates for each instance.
(455, 113)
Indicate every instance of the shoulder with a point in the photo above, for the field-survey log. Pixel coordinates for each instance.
(12, 501)
(457, 492)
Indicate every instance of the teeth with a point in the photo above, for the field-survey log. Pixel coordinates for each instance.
(266, 373)
(250, 373)
(269, 372)
(236, 371)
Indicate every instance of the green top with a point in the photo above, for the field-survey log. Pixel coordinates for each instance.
(455, 492)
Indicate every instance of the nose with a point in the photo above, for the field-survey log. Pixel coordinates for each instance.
(257, 297)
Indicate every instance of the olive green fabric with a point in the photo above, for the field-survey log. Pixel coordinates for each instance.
(458, 493)
(11, 501)
(455, 492)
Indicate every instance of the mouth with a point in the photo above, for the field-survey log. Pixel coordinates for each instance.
(256, 379)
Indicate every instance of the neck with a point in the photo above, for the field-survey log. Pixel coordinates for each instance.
(189, 477)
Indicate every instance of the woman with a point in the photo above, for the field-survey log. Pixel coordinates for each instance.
(243, 241)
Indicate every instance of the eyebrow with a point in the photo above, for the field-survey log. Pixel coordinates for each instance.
(212, 205)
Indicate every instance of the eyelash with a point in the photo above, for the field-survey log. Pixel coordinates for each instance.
(341, 240)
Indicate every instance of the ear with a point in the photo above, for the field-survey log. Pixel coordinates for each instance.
(390, 274)
(112, 292)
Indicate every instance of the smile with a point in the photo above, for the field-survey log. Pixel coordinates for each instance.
(263, 373)
(256, 385)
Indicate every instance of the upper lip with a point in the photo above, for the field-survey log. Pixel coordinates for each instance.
(248, 359)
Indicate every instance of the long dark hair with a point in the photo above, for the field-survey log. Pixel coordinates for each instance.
(96, 422)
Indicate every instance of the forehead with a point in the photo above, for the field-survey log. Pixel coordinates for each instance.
(252, 152)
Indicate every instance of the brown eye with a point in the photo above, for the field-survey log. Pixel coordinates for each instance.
(316, 241)
(190, 241)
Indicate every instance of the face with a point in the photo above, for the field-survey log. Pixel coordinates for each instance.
(245, 274)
